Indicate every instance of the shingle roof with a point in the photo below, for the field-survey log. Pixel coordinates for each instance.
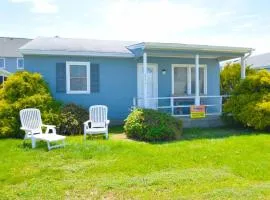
(113, 48)
(262, 60)
(9, 46)
(78, 45)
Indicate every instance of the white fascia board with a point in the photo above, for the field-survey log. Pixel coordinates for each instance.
(176, 46)
(75, 53)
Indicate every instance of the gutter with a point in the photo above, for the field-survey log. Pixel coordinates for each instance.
(75, 53)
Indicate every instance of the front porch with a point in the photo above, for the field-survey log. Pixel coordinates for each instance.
(171, 78)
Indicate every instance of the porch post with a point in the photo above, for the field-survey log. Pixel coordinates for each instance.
(197, 81)
(243, 68)
(145, 80)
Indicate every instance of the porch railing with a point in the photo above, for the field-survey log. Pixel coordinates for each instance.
(180, 105)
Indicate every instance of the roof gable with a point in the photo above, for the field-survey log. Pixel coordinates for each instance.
(9, 46)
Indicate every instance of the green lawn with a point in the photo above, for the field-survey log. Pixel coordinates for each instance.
(205, 164)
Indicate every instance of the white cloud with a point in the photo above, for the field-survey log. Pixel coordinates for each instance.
(152, 20)
(40, 6)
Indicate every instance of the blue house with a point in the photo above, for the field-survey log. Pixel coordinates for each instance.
(11, 59)
(120, 74)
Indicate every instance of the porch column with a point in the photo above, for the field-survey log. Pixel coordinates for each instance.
(243, 68)
(145, 80)
(197, 81)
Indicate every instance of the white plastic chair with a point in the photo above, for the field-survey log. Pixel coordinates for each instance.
(32, 125)
(98, 119)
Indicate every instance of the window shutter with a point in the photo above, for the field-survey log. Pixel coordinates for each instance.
(95, 79)
(60, 77)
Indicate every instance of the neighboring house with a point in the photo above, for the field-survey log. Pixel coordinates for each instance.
(3, 75)
(165, 76)
(261, 61)
(11, 59)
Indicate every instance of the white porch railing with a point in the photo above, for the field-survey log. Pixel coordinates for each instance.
(180, 106)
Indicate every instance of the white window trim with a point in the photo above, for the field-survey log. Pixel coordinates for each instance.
(18, 63)
(4, 63)
(189, 66)
(68, 64)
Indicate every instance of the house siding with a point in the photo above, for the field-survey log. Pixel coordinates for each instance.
(118, 79)
(117, 82)
(165, 81)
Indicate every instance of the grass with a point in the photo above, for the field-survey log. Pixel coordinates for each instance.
(205, 164)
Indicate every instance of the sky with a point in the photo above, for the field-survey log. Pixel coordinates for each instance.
(243, 23)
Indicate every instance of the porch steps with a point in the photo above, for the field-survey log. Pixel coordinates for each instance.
(208, 122)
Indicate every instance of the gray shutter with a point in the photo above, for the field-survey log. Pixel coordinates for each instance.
(95, 79)
(60, 77)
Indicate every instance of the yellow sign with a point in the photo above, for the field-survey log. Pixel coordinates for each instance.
(197, 112)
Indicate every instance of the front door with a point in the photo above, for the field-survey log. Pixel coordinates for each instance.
(152, 85)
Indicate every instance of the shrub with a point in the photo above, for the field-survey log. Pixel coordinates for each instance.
(25, 90)
(151, 125)
(249, 104)
(71, 119)
(230, 77)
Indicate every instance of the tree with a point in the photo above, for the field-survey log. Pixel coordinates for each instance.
(230, 77)
(24, 90)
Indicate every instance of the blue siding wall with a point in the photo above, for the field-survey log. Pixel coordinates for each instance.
(165, 81)
(11, 64)
(118, 80)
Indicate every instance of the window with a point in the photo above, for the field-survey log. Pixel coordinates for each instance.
(2, 63)
(78, 77)
(184, 79)
(20, 63)
(2, 79)
(180, 80)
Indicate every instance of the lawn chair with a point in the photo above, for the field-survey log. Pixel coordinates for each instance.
(98, 121)
(32, 125)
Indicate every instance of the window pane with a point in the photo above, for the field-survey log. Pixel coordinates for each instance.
(78, 84)
(193, 80)
(78, 71)
(2, 63)
(201, 80)
(180, 81)
(78, 78)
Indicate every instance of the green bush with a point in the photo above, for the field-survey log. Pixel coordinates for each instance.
(72, 118)
(151, 125)
(25, 90)
(230, 77)
(249, 104)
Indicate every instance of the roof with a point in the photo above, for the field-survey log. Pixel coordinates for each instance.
(113, 48)
(180, 46)
(9, 46)
(259, 61)
(69, 46)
